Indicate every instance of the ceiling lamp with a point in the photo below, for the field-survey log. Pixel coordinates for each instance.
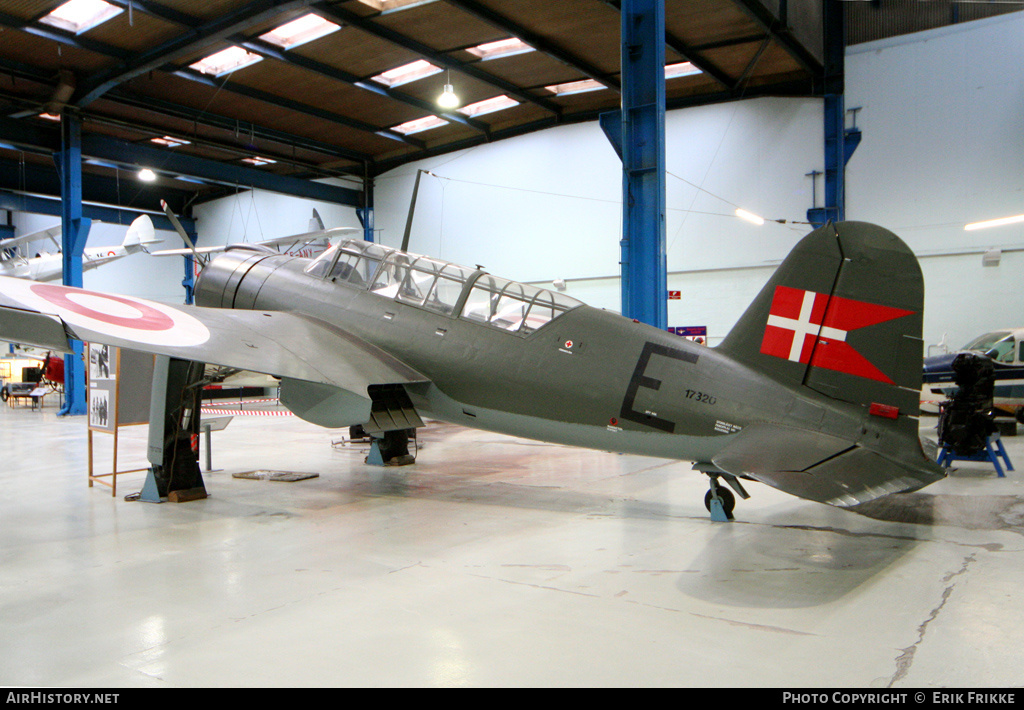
(994, 222)
(147, 175)
(448, 99)
(749, 216)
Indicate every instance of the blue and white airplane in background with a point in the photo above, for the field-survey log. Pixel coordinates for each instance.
(1006, 350)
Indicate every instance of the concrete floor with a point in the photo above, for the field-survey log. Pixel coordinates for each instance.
(490, 562)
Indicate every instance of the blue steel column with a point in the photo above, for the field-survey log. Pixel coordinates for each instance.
(644, 270)
(74, 234)
(365, 213)
(839, 143)
(189, 281)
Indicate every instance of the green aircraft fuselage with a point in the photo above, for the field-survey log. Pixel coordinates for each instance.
(814, 391)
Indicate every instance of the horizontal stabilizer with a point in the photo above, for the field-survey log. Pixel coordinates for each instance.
(820, 467)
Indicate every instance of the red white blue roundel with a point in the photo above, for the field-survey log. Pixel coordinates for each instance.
(124, 317)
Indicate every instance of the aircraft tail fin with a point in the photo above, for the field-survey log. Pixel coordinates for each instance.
(140, 233)
(842, 315)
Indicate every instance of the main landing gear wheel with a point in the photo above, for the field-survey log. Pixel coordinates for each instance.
(726, 497)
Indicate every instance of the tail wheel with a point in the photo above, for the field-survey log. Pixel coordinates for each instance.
(725, 496)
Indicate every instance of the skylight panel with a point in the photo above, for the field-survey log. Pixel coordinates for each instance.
(501, 48)
(384, 6)
(169, 141)
(78, 16)
(575, 87)
(488, 106)
(305, 29)
(674, 71)
(419, 124)
(406, 73)
(257, 160)
(226, 60)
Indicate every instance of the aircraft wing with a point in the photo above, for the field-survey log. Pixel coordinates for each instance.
(821, 467)
(51, 233)
(285, 345)
(291, 239)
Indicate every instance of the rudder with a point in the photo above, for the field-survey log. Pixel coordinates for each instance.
(842, 315)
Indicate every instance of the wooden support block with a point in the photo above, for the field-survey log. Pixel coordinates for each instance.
(186, 495)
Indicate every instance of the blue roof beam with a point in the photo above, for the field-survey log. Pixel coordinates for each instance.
(184, 44)
(135, 155)
(41, 204)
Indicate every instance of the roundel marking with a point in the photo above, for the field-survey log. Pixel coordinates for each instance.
(131, 319)
(107, 308)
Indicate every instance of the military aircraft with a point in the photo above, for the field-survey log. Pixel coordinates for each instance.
(815, 391)
(1006, 350)
(49, 267)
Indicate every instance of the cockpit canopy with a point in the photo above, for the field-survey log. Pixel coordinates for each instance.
(999, 345)
(440, 286)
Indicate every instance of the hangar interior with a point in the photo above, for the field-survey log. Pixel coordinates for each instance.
(498, 561)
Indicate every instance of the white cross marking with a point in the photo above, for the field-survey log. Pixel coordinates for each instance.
(803, 326)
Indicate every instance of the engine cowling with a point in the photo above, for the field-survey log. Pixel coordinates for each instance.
(234, 279)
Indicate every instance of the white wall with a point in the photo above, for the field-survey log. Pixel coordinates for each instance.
(256, 215)
(943, 141)
(942, 116)
(548, 205)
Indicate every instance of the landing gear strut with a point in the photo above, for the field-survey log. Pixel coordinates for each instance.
(719, 500)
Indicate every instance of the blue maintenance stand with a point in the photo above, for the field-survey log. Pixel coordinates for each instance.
(994, 450)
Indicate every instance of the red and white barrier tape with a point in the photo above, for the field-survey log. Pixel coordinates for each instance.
(249, 412)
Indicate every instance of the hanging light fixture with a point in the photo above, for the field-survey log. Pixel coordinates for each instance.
(448, 99)
(994, 222)
(749, 216)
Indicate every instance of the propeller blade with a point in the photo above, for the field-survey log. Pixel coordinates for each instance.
(181, 230)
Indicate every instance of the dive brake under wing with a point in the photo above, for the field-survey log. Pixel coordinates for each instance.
(285, 345)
